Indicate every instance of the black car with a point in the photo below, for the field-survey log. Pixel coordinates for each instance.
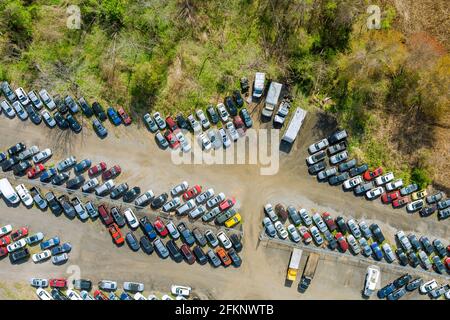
(60, 178)
(332, 244)
(413, 260)
(60, 121)
(337, 136)
(338, 179)
(340, 222)
(198, 235)
(60, 104)
(347, 165)
(439, 247)
(212, 114)
(246, 118)
(234, 238)
(159, 201)
(401, 257)
(376, 233)
(34, 116)
(182, 123)
(317, 167)
(10, 163)
(414, 284)
(200, 255)
(82, 284)
(131, 194)
(73, 123)
(58, 295)
(358, 170)
(414, 242)
(85, 107)
(99, 128)
(119, 190)
(118, 217)
(99, 111)
(426, 245)
(238, 98)
(75, 183)
(16, 149)
(229, 103)
(20, 168)
(186, 234)
(174, 251)
(244, 84)
(402, 281)
(146, 245)
(53, 203)
(427, 211)
(68, 208)
(19, 255)
(132, 241)
(237, 261)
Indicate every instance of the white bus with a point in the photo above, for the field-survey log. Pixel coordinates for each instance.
(8, 191)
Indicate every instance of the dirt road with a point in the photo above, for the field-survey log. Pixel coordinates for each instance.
(263, 271)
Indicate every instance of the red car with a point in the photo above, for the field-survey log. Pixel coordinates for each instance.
(114, 230)
(4, 241)
(104, 214)
(224, 257)
(227, 204)
(173, 141)
(57, 283)
(369, 175)
(3, 252)
(187, 253)
(160, 227)
(19, 233)
(37, 169)
(171, 124)
(341, 241)
(95, 170)
(124, 116)
(111, 173)
(389, 197)
(192, 192)
(400, 202)
(238, 123)
(98, 295)
(329, 221)
(447, 263)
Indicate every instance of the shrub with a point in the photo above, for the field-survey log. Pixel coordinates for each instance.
(421, 176)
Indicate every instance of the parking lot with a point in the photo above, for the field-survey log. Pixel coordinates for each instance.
(146, 165)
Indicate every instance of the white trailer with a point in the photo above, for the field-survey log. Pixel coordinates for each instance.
(294, 126)
(258, 84)
(8, 191)
(272, 99)
(372, 280)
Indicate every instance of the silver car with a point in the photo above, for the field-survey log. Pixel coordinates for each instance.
(215, 138)
(133, 286)
(205, 196)
(319, 145)
(316, 235)
(171, 205)
(318, 221)
(365, 230)
(186, 207)
(389, 254)
(353, 244)
(354, 228)
(107, 285)
(305, 217)
(269, 227)
(216, 200)
(293, 233)
(325, 174)
(66, 163)
(339, 157)
(173, 231)
(47, 99)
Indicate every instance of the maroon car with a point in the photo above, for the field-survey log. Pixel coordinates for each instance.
(329, 221)
(105, 215)
(111, 173)
(97, 169)
(171, 124)
(238, 123)
(187, 253)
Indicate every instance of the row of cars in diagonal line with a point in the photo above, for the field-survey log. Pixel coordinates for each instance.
(18, 244)
(370, 183)
(356, 237)
(80, 289)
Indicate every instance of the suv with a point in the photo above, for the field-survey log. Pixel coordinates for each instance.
(186, 234)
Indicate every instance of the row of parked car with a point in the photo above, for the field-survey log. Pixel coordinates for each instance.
(17, 245)
(58, 111)
(80, 290)
(400, 286)
(370, 183)
(357, 237)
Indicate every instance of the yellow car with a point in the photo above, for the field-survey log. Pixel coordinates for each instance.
(419, 194)
(234, 220)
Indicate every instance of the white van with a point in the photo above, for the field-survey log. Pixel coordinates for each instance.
(8, 191)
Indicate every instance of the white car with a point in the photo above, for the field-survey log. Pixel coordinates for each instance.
(305, 217)
(180, 290)
(215, 138)
(202, 197)
(90, 185)
(268, 209)
(159, 120)
(232, 131)
(223, 113)
(49, 120)
(152, 297)
(9, 111)
(73, 295)
(22, 96)
(173, 231)
(185, 145)
(374, 193)
(318, 221)
(215, 200)
(195, 125)
(388, 177)
(397, 184)
(404, 241)
(102, 189)
(224, 240)
(42, 156)
(316, 235)
(319, 145)
(186, 207)
(131, 218)
(353, 244)
(21, 113)
(5, 230)
(389, 254)
(282, 233)
(354, 229)
(203, 120)
(144, 198)
(24, 195)
(180, 298)
(415, 205)
(292, 230)
(139, 296)
(41, 256)
(182, 187)
(197, 212)
(428, 286)
(353, 182)
(204, 141)
(16, 245)
(166, 297)
(107, 285)
(225, 140)
(47, 99)
(39, 282)
(43, 294)
(35, 100)
(172, 204)
(35, 238)
(28, 153)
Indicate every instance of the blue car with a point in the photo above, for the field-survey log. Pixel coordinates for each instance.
(48, 174)
(2, 156)
(148, 228)
(113, 116)
(125, 296)
(64, 248)
(82, 166)
(376, 251)
(49, 243)
(385, 291)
